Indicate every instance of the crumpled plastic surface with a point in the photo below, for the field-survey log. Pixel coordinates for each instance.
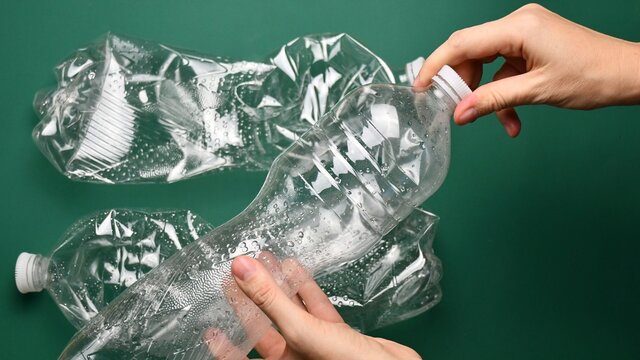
(104, 253)
(396, 280)
(134, 111)
(328, 199)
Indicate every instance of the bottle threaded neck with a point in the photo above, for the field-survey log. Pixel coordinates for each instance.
(452, 84)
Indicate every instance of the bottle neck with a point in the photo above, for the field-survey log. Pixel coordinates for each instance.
(39, 273)
(448, 102)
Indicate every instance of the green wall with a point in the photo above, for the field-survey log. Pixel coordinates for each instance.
(539, 235)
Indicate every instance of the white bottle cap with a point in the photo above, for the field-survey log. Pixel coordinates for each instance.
(449, 80)
(25, 280)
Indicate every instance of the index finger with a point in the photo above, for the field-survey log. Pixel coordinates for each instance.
(315, 300)
(474, 43)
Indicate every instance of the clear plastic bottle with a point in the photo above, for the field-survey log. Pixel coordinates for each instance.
(396, 280)
(327, 200)
(103, 254)
(134, 111)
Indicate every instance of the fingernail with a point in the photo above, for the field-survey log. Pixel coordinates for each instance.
(243, 267)
(468, 116)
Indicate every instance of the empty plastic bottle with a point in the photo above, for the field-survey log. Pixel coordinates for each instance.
(103, 254)
(396, 280)
(327, 200)
(133, 111)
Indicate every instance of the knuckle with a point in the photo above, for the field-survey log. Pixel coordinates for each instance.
(494, 101)
(531, 7)
(456, 39)
(264, 296)
(539, 89)
(530, 17)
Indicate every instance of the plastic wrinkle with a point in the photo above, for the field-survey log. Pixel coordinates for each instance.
(134, 111)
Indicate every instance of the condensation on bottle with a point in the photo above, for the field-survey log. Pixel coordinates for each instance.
(103, 254)
(135, 111)
(363, 167)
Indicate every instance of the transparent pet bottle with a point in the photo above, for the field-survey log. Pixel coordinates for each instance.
(135, 111)
(327, 200)
(103, 254)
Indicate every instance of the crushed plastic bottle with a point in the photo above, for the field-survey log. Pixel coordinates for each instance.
(396, 280)
(104, 253)
(327, 200)
(134, 111)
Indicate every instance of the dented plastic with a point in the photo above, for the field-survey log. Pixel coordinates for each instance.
(134, 111)
(328, 200)
(103, 254)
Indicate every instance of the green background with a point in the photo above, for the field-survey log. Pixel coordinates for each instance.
(539, 235)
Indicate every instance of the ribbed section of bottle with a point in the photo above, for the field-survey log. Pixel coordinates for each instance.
(354, 176)
(327, 200)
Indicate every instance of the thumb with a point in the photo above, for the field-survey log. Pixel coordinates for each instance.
(497, 95)
(258, 284)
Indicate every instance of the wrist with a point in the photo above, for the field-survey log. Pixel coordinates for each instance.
(629, 90)
(636, 73)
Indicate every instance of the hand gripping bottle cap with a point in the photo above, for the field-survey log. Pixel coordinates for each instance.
(25, 274)
(449, 80)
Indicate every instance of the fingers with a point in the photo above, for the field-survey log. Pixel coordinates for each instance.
(271, 345)
(317, 303)
(397, 350)
(499, 95)
(220, 346)
(253, 321)
(258, 284)
(475, 43)
(509, 117)
(510, 121)
(471, 72)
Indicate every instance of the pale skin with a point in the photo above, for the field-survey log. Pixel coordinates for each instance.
(548, 60)
(309, 327)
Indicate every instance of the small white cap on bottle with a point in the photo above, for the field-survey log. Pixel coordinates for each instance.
(25, 280)
(449, 80)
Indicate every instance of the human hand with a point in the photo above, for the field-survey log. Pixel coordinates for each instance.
(548, 60)
(309, 326)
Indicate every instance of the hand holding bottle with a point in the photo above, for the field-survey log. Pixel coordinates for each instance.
(548, 60)
(310, 327)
